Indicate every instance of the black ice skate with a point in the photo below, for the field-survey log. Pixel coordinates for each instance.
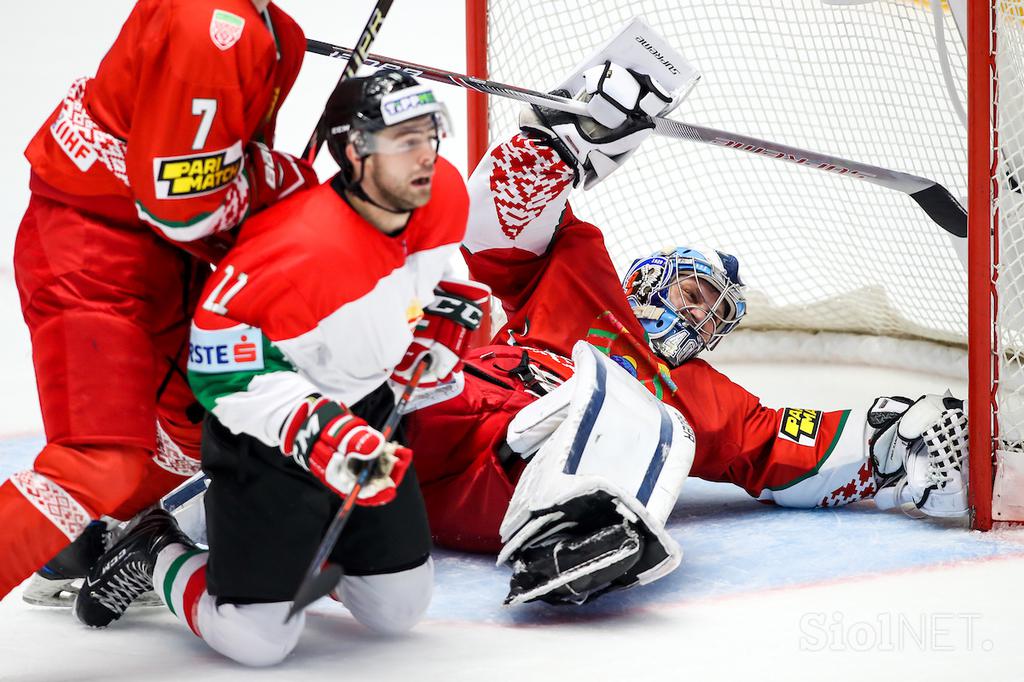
(56, 583)
(125, 571)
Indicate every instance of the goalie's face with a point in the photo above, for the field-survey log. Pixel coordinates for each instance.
(699, 303)
(685, 300)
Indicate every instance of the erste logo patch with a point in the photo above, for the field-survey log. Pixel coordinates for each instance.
(238, 349)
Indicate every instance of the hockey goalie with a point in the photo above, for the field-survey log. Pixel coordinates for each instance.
(564, 445)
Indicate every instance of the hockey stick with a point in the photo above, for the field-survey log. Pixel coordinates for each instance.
(935, 199)
(321, 578)
(355, 60)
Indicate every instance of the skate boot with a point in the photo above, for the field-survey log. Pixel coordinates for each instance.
(56, 583)
(125, 571)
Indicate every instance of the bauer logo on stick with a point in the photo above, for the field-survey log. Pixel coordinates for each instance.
(178, 177)
(225, 28)
(800, 426)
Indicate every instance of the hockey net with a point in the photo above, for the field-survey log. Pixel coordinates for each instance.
(882, 82)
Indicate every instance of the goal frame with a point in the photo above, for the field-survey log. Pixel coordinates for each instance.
(983, 217)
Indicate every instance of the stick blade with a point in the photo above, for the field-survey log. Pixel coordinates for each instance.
(943, 208)
(316, 586)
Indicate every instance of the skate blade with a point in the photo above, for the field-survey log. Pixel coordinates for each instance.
(62, 593)
(59, 593)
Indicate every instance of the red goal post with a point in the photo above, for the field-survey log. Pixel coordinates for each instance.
(878, 81)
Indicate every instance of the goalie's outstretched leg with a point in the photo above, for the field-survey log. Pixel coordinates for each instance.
(607, 462)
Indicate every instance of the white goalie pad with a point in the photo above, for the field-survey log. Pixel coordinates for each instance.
(600, 431)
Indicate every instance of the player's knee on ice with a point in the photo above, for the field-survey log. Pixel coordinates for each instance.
(251, 634)
(389, 603)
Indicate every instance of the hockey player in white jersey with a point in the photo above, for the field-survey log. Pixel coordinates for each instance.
(320, 300)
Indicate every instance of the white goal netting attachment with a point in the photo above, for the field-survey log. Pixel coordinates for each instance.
(1008, 224)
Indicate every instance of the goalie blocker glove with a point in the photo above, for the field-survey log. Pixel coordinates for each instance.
(327, 440)
(918, 450)
(444, 331)
(620, 103)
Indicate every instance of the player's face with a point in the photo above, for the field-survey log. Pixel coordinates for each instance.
(400, 174)
(695, 299)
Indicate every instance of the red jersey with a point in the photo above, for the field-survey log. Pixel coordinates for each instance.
(158, 135)
(557, 283)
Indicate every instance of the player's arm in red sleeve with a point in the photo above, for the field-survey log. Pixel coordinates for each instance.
(517, 196)
(200, 99)
(793, 456)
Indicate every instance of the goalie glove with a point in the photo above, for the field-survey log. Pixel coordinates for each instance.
(328, 441)
(274, 175)
(444, 331)
(919, 449)
(620, 103)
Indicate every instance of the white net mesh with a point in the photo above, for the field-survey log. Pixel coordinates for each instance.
(1009, 181)
(864, 82)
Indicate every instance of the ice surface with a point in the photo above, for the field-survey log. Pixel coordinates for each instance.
(762, 592)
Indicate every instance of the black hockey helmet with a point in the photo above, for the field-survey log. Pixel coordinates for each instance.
(360, 106)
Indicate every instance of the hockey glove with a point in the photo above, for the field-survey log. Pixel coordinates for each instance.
(444, 331)
(327, 440)
(274, 175)
(918, 450)
(620, 102)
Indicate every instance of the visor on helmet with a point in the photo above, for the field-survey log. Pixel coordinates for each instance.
(395, 108)
(403, 138)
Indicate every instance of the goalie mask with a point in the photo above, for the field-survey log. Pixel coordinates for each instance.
(360, 108)
(686, 299)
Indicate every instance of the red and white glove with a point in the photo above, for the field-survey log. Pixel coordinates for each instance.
(274, 175)
(444, 331)
(327, 440)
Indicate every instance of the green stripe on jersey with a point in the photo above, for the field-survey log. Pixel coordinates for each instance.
(209, 387)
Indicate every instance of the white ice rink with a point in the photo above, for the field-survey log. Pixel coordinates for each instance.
(762, 592)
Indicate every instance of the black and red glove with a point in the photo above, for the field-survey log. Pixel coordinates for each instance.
(444, 331)
(327, 440)
(274, 175)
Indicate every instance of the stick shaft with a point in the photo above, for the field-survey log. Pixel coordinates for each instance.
(933, 198)
(330, 539)
(355, 60)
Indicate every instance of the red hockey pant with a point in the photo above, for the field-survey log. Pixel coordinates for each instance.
(108, 308)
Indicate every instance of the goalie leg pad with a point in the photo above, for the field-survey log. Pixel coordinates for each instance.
(600, 439)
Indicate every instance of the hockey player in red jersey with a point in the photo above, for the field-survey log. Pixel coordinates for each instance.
(320, 300)
(572, 482)
(136, 172)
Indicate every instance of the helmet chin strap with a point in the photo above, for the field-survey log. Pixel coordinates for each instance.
(356, 187)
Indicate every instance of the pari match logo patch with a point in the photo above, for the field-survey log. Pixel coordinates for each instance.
(181, 177)
(238, 349)
(800, 426)
(225, 28)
